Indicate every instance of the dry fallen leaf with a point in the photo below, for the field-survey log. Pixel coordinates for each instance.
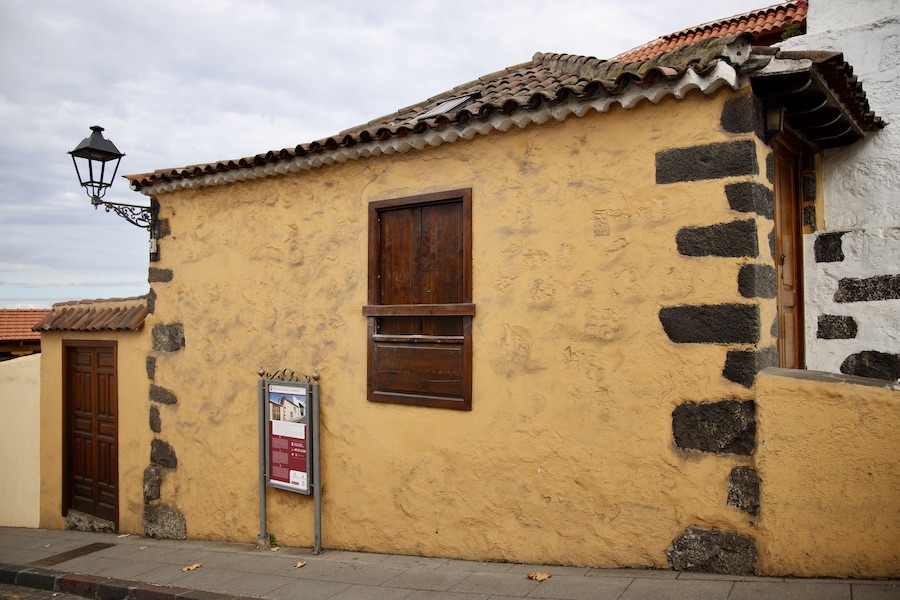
(539, 576)
(124, 535)
(47, 545)
(193, 567)
(275, 548)
(142, 547)
(299, 564)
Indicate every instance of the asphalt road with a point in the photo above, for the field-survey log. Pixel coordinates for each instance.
(14, 592)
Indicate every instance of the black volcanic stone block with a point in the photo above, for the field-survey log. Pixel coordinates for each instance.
(163, 454)
(167, 338)
(710, 161)
(711, 323)
(713, 551)
(741, 366)
(732, 239)
(827, 247)
(869, 289)
(743, 490)
(724, 427)
(749, 196)
(836, 327)
(757, 281)
(874, 364)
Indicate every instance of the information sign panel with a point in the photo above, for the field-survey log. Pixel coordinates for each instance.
(288, 442)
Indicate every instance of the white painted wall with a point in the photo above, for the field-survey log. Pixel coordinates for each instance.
(20, 404)
(861, 183)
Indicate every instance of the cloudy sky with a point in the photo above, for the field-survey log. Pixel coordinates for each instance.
(180, 82)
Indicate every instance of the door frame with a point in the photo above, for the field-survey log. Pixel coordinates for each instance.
(67, 491)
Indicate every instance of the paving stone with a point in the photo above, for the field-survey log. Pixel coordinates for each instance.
(251, 584)
(20, 557)
(876, 591)
(342, 556)
(789, 590)
(308, 590)
(368, 592)
(323, 571)
(581, 588)
(415, 562)
(251, 564)
(206, 578)
(362, 574)
(496, 583)
(473, 566)
(162, 574)
(418, 579)
(643, 573)
(669, 589)
(111, 567)
(175, 556)
(432, 595)
(555, 570)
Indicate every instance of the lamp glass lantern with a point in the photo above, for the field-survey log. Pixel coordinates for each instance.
(96, 163)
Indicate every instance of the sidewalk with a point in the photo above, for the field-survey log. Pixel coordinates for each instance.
(109, 567)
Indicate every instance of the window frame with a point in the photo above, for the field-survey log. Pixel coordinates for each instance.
(464, 310)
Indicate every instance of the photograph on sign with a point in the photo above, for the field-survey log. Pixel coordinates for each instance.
(288, 456)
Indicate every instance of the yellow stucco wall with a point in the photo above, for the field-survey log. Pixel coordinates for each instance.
(829, 460)
(134, 431)
(19, 441)
(567, 455)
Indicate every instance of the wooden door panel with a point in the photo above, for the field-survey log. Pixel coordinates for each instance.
(435, 369)
(91, 453)
(400, 239)
(442, 251)
(788, 258)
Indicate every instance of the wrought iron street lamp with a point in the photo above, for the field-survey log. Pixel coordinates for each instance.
(96, 163)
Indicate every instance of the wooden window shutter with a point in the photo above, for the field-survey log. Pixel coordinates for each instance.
(420, 300)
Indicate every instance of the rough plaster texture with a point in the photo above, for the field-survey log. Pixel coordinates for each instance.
(829, 460)
(20, 441)
(866, 254)
(861, 183)
(134, 433)
(567, 455)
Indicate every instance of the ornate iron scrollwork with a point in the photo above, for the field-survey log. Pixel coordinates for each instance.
(287, 375)
(142, 216)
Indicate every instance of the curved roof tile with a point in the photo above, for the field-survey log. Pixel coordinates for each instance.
(767, 25)
(549, 86)
(115, 314)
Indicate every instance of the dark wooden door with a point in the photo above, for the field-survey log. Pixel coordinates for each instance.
(788, 257)
(92, 457)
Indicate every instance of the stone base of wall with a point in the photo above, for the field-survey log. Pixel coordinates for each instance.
(164, 522)
(79, 521)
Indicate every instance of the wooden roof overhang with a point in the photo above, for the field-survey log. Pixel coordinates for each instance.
(824, 104)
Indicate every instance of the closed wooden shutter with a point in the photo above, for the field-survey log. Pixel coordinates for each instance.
(420, 300)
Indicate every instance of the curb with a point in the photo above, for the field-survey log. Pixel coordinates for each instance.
(101, 588)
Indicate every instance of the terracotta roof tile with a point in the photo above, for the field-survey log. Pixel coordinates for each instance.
(550, 86)
(115, 314)
(766, 24)
(16, 323)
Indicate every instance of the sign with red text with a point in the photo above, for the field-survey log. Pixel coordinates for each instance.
(288, 443)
